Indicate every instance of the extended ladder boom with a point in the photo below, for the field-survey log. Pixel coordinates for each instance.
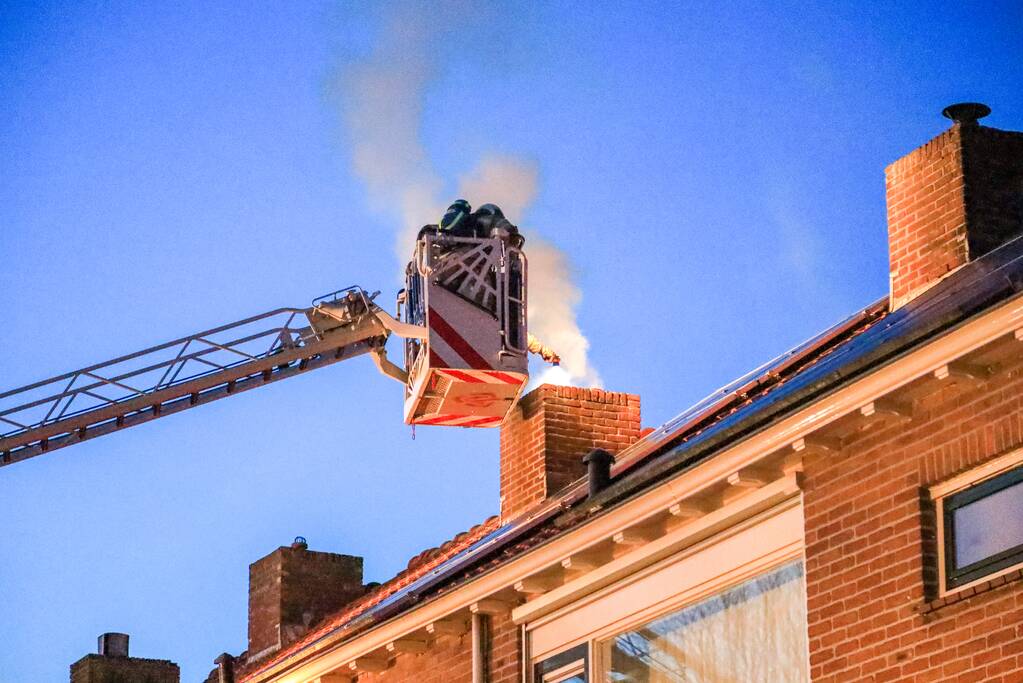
(194, 370)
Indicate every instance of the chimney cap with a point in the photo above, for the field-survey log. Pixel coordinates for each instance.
(966, 113)
(113, 645)
(300, 543)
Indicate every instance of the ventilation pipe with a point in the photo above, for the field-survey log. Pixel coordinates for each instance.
(598, 469)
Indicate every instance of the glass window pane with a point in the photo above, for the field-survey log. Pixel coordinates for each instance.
(755, 631)
(989, 526)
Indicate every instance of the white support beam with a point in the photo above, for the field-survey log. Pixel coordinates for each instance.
(368, 664)
(749, 478)
(407, 646)
(333, 677)
(792, 463)
(964, 372)
(581, 564)
(538, 583)
(587, 560)
(448, 627)
(689, 509)
(637, 535)
(743, 481)
(886, 410)
(491, 606)
(812, 443)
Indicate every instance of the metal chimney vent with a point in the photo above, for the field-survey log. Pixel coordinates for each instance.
(113, 644)
(966, 113)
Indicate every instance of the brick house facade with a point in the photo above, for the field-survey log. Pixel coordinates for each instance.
(849, 513)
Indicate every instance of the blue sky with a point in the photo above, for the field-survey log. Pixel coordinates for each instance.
(714, 173)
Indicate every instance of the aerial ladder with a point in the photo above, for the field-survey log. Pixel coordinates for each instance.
(462, 315)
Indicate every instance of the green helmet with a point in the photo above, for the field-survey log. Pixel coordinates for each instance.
(455, 214)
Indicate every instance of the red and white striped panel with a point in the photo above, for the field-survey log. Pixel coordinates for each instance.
(474, 398)
(464, 336)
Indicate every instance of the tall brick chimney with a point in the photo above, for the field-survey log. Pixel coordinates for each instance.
(292, 588)
(545, 437)
(952, 200)
(113, 665)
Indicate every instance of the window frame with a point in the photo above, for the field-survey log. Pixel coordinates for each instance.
(957, 577)
(564, 665)
(599, 656)
(958, 491)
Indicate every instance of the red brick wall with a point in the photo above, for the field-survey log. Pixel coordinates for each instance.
(870, 548)
(954, 199)
(100, 669)
(449, 659)
(547, 434)
(292, 588)
(926, 214)
(993, 168)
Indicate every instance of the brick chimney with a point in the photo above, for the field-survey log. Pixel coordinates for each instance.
(113, 665)
(292, 588)
(952, 200)
(546, 436)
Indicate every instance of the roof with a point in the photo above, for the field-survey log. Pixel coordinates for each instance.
(856, 346)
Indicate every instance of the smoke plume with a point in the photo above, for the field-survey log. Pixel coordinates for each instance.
(382, 101)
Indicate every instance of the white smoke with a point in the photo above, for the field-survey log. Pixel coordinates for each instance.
(383, 107)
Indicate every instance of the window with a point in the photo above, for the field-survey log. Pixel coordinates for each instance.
(755, 631)
(982, 529)
(570, 666)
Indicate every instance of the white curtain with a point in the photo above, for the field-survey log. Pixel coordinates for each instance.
(754, 632)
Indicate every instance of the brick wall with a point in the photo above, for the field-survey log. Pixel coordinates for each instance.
(870, 548)
(949, 201)
(993, 167)
(449, 659)
(100, 669)
(291, 589)
(547, 434)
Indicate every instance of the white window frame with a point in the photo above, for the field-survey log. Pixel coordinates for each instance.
(576, 668)
(599, 665)
(753, 547)
(939, 492)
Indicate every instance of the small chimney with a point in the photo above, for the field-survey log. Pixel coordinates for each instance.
(112, 664)
(546, 435)
(952, 200)
(292, 588)
(113, 645)
(225, 668)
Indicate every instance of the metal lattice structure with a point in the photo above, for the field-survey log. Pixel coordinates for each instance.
(177, 375)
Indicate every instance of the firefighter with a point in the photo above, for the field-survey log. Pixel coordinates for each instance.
(489, 218)
(457, 220)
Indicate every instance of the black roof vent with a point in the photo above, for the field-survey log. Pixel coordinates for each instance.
(966, 113)
(598, 469)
